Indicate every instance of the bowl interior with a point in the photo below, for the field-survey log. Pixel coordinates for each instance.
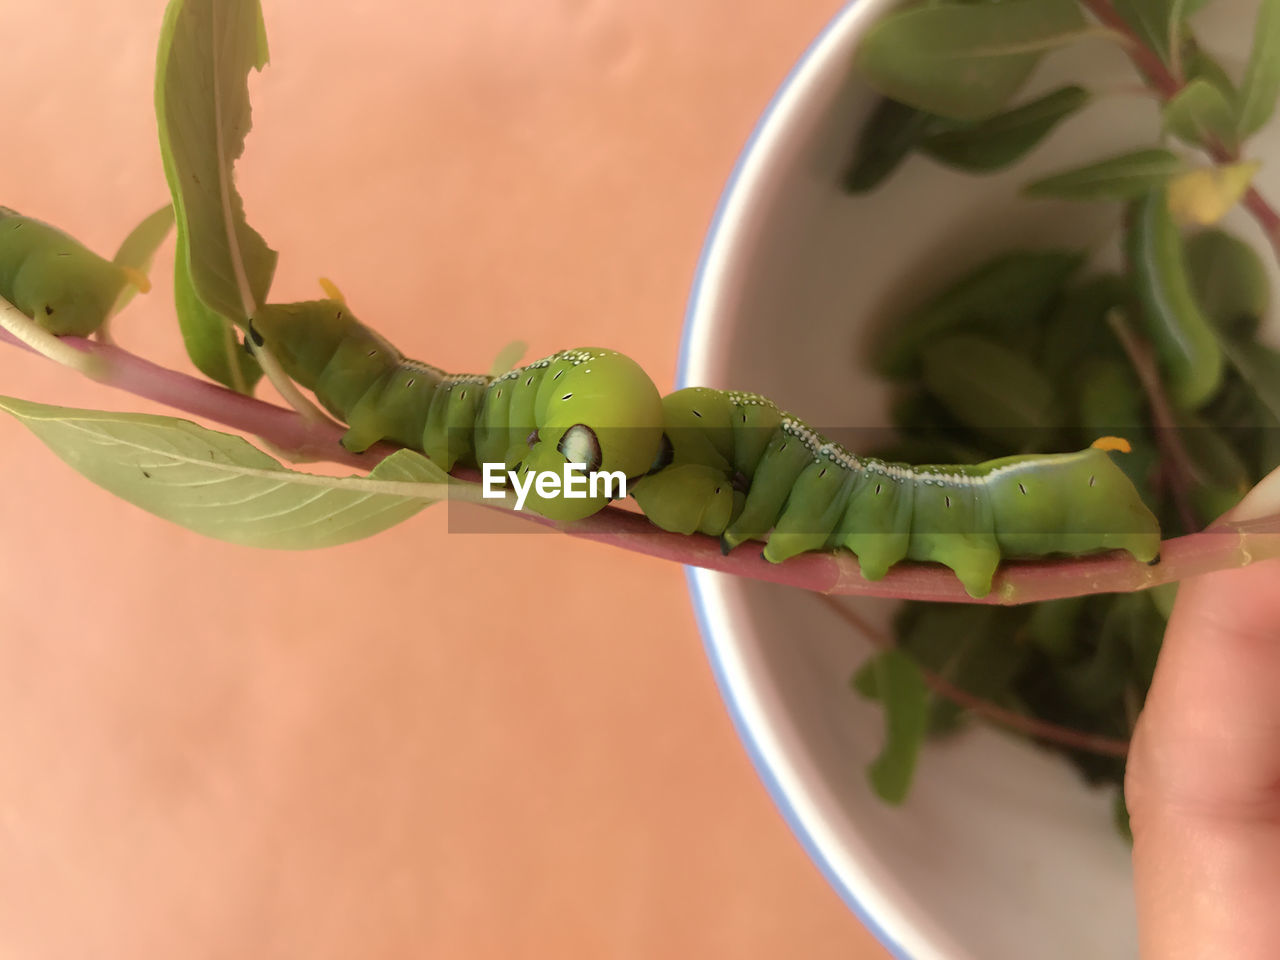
(1000, 844)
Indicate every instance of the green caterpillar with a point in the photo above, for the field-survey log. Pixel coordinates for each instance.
(589, 406)
(56, 280)
(737, 467)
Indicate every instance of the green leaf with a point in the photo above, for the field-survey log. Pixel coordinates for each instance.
(902, 689)
(1200, 114)
(221, 486)
(1109, 398)
(1125, 177)
(992, 389)
(964, 61)
(890, 133)
(863, 680)
(1154, 22)
(1005, 296)
(1261, 83)
(209, 337)
(969, 646)
(928, 433)
(1184, 341)
(1005, 138)
(139, 248)
(1219, 475)
(1077, 329)
(1229, 281)
(1259, 365)
(1199, 64)
(1098, 681)
(207, 48)
(1054, 628)
(508, 357)
(1120, 817)
(1162, 597)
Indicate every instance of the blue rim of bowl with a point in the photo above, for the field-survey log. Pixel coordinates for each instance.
(727, 693)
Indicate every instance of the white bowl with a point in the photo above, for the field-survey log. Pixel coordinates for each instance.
(1000, 852)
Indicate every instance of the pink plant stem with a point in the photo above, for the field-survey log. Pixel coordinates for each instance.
(284, 428)
(1031, 726)
(1229, 545)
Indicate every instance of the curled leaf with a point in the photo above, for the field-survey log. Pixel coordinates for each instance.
(209, 337)
(223, 267)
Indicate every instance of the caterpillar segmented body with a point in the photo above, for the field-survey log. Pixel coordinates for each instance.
(737, 467)
(590, 406)
(54, 279)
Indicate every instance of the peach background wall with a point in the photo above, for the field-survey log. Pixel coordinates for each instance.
(422, 744)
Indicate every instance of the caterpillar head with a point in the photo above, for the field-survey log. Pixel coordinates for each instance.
(598, 408)
(67, 290)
